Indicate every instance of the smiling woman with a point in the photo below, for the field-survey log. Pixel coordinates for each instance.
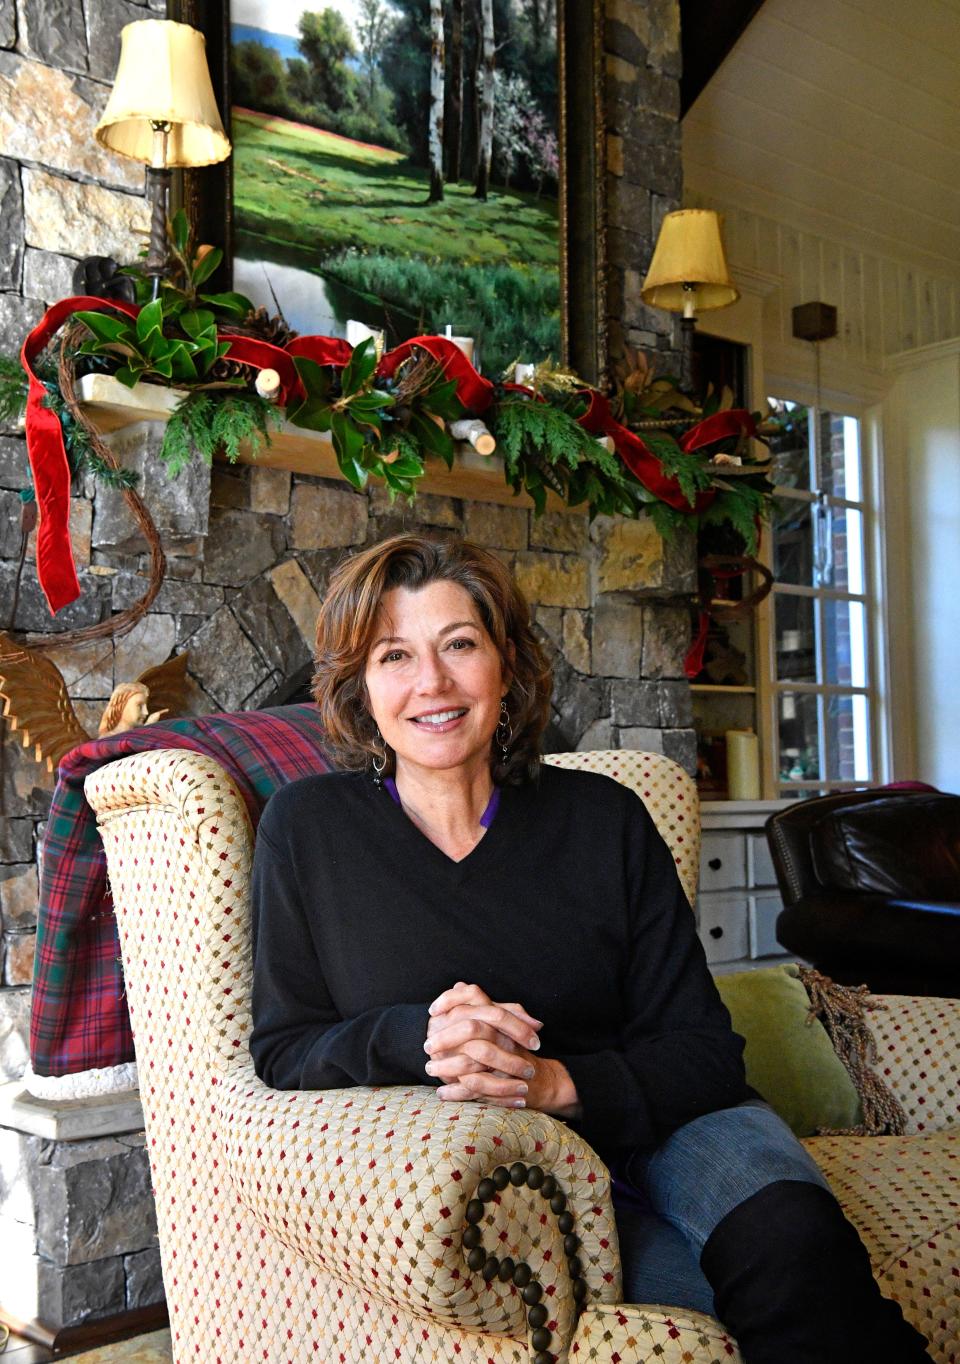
(516, 934)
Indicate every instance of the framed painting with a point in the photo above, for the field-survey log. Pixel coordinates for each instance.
(413, 166)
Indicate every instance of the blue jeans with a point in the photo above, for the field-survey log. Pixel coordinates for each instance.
(669, 1199)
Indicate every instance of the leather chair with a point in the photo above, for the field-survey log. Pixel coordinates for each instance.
(871, 888)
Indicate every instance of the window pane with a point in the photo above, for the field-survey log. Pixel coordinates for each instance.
(790, 444)
(792, 526)
(844, 535)
(848, 738)
(845, 642)
(799, 752)
(795, 639)
(840, 456)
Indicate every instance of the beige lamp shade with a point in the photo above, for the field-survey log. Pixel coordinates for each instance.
(689, 270)
(163, 77)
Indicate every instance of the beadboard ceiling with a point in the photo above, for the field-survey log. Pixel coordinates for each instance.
(842, 118)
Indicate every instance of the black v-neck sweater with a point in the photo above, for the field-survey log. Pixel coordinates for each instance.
(570, 904)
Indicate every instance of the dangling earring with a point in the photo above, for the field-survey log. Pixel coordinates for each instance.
(380, 760)
(504, 734)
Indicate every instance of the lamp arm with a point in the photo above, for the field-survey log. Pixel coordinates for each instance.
(158, 191)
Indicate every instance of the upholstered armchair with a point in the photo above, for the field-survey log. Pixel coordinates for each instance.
(383, 1224)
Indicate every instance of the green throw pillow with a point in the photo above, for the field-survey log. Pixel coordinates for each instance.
(790, 1062)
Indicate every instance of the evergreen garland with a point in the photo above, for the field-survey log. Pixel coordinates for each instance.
(544, 447)
(389, 428)
(203, 423)
(13, 390)
(81, 455)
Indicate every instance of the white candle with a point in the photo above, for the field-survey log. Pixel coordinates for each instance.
(743, 765)
(267, 384)
(524, 374)
(358, 331)
(465, 344)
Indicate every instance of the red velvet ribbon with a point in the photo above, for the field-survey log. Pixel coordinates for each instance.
(475, 392)
(736, 421)
(637, 456)
(49, 465)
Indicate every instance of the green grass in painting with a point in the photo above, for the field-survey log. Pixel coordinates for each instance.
(359, 214)
(512, 310)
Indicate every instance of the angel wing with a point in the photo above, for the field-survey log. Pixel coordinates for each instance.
(167, 685)
(36, 702)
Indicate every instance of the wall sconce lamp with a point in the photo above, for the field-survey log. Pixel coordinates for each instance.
(162, 112)
(688, 273)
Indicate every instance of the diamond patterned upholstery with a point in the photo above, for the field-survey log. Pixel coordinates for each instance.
(329, 1226)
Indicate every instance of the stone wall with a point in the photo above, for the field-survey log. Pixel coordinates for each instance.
(78, 1227)
(62, 198)
(644, 166)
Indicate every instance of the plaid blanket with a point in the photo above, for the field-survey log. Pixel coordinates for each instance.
(79, 1017)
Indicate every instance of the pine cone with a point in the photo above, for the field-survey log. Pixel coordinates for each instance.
(258, 324)
(264, 327)
(225, 368)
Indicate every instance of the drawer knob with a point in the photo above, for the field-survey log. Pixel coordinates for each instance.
(716, 932)
(715, 863)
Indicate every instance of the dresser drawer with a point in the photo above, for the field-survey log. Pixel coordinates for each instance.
(722, 926)
(723, 861)
(760, 870)
(763, 911)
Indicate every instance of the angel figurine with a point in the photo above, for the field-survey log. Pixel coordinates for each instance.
(36, 701)
(127, 708)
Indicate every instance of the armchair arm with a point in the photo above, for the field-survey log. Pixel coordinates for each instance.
(918, 1056)
(380, 1186)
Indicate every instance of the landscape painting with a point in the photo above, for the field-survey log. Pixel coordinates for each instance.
(397, 164)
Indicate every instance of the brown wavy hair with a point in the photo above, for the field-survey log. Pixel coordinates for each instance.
(345, 633)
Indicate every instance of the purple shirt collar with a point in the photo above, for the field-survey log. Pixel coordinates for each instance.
(486, 819)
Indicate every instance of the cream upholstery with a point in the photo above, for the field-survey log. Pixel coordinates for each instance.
(328, 1226)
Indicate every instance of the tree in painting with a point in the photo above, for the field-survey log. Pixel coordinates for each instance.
(437, 62)
(486, 68)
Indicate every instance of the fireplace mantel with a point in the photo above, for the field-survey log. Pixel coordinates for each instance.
(479, 478)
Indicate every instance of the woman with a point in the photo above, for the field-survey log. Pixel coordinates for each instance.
(451, 910)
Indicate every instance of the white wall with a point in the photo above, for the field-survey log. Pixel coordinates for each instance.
(921, 419)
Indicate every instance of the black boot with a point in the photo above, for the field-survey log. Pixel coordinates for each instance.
(792, 1283)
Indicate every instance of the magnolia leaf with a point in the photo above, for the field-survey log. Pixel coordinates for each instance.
(359, 369)
(129, 374)
(406, 467)
(434, 439)
(183, 369)
(150, 321)
(180, 230)
(197, 322)
(236, 304)
(203, 269)
(348, 443)
(106, 327)
(315, 378)
(442, 399)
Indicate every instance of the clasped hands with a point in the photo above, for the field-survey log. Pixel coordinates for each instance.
(486, 1052)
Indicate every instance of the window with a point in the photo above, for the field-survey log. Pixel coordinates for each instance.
(824, 692)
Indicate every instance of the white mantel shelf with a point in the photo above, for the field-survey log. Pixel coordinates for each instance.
(479, 478)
